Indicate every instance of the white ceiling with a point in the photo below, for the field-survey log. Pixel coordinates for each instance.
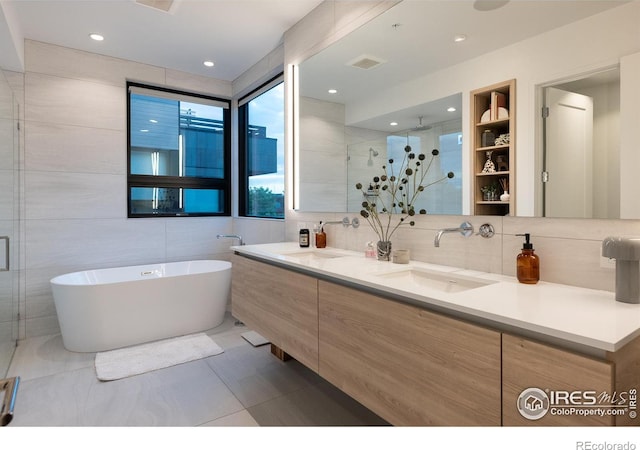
(415, 38)
(235, 34)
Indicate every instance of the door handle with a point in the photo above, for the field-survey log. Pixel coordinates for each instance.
(7, 266)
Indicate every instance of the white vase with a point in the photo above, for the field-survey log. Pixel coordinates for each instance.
(505, 196)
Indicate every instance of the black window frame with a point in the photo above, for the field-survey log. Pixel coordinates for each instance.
(164, 181)
(243, 117)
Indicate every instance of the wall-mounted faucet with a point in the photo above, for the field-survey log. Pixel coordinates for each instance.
(232, 236)
(345, 222)
(626, 251)
(465, 229)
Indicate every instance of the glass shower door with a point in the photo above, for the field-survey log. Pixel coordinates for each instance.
(9, 224)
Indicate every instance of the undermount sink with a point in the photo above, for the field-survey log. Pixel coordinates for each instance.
(413, 278)
(313, 254)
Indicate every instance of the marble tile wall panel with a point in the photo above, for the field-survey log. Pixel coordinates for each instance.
(6, 144)
(195, 83)
(6, 295)
(94, 242)
(259, 231)
(195, 238)
(53, 99)
(65, 62)
(69, 148)
(38, 289)
(6, 193)
(40, 326)
(67, 195)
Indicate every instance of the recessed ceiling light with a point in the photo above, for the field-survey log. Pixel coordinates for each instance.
(451, 109)
(208, 63)
(332, 91)
(394, 124)
(459, 38)
(96, 37)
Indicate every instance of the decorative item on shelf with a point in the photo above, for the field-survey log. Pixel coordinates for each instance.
(489, 166)
(486, 116)
(490, 192)
(501, 163)
(397, 190)
(498, 107)
(504, 183)
(488, 138)
(503, 139)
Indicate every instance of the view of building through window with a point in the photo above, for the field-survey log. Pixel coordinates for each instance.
(176, 157)
(264, 157)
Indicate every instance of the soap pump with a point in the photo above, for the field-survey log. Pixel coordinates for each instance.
(527, 262)
(321, 237)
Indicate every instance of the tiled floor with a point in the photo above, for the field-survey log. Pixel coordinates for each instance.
(244, 386)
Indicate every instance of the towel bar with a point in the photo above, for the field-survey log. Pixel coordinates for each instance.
(8, 392)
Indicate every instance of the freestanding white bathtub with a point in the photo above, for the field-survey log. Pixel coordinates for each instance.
(105, 309)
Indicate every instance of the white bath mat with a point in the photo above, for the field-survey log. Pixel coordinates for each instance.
(129, 361)
(254, 338)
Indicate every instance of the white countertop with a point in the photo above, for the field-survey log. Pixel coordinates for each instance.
(584, 317)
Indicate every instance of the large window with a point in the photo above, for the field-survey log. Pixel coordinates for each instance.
(261, 155)
(178, 153)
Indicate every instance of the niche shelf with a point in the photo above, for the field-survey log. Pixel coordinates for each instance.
(493, 118)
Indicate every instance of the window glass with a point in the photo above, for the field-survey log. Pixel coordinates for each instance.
(262, 147)
(178, 153)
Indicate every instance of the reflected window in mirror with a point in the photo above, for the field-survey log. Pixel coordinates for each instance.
(261, 154)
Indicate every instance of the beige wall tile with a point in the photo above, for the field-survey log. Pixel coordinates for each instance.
(53, 99)
(69, 148)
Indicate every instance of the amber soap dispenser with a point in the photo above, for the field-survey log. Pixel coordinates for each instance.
(527, 263)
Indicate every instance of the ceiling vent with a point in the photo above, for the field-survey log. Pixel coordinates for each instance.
(365, 62)
(162, 5)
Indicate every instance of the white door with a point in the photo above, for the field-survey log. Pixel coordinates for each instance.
(568, 192)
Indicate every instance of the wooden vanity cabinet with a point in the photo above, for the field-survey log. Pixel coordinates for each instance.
(529, 364)
(408, 365)
(412, 366)
(280, 304)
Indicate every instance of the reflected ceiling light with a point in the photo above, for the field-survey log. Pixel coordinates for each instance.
(394, 124)
(153, 121)
(96, 37)
(144, 131)
(459, 38)
(208, 63)
(451, 109)
(332, 91)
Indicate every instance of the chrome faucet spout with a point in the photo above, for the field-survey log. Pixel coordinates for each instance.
(231, 236)
(465, 229)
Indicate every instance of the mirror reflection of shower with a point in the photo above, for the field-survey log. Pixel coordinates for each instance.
(372, 154)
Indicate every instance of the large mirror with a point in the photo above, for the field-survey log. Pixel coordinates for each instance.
(419, 56)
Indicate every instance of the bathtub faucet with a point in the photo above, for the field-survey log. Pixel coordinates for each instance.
(232, 236)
